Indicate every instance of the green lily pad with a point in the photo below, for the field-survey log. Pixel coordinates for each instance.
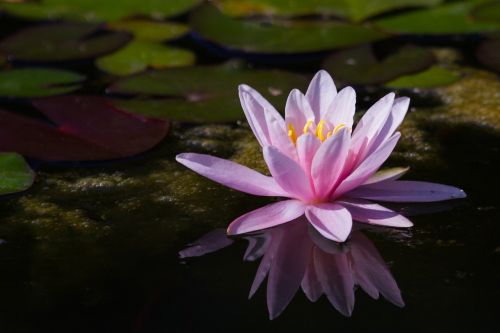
(355, 10)
(451, 18)
(150, 30)
(489, 11)
(203, 93)
(97, 11)
(138, 56)
(38, 82)
(278, 36)
(488, 53)
(217, 110)
(360, 66)
(15, 174)
(62, 41)
(433, 77)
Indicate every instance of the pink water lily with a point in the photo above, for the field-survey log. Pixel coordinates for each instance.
(326, 169)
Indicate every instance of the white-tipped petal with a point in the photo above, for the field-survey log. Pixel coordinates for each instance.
(320, 93)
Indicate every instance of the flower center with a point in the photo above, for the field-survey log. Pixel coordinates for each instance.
(321, 131)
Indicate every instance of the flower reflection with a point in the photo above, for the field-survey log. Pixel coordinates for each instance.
(294, 255)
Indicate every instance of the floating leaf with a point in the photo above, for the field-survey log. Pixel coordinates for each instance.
(488, 53)
(138, 56)
(216, 110)
(278, 36)
(203, 93)
(87, 128)
(150, 30)
(98, 11)
(62, 41)
(360, 66)
(433, 77)
(38, 82)
(489, 11)
(355, 10)
(450, 18)
(15, 174)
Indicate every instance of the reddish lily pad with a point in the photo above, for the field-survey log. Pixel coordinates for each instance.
(62, 41)
(270, 36)
(15, 174)
(86, 128)
(360, 66)
(488, 53)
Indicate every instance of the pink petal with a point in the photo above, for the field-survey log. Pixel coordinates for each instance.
(371, 271)
(398, 113)
(231, 174)
(307, 146)
(334, 274)
(288, 267)
(330, 220)
(386, 174)
(257, 246)
(298, 111)
(320, 93)
(342, 109)
(255, 108)
(267, 216)
(213, 241)
(310, 283)
(372, 213)
(325, 244)
(329, 160)
(407, 191)
(370, 125)
(288, 174)
(276, 235)
(368, 167)
(278, 136)
(395, 118)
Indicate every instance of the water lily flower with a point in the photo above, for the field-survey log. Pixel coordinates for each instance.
(326, 168)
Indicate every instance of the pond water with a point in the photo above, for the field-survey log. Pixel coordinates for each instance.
(93, 245)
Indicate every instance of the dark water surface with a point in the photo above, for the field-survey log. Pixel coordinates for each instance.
(94, 247)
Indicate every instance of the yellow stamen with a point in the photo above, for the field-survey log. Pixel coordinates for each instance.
(338, 127)
(319, 130)
(329, 134)
(291, 133)
(306, 127)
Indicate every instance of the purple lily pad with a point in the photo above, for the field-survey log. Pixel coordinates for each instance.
(86, 128)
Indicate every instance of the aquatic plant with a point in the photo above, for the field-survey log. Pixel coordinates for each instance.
(326, 169)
